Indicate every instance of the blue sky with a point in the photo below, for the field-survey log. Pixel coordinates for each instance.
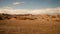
(29, 4)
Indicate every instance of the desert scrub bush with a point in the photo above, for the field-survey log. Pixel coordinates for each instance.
(57, 20)
(53, 16)
(1, 18)
(31, 19)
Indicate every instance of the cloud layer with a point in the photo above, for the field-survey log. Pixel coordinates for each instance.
(18, 3)
(31, 11)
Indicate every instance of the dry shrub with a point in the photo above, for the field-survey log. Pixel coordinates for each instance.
(1, 18)
(25, 18)
(21, 18)
(4, 16)
(56, 20)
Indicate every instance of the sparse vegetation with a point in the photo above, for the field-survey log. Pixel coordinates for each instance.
(18, 17)
(17, 24)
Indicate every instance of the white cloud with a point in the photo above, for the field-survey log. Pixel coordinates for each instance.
(31, 11)
(18, 3)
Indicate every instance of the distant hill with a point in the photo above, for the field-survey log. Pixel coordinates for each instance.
(29, 17)
(20, 16)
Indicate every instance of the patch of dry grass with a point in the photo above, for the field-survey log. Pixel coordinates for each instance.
(41, 24)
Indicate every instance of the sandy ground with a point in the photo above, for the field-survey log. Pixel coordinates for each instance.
(29, 27)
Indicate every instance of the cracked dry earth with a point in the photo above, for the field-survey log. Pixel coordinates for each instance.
(29, 27)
